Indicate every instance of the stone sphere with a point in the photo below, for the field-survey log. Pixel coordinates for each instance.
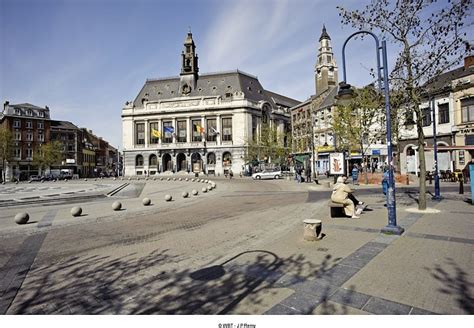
(115, 178)
(22, 218)
(146, 179)
(42, 181)
(168, 179)
(209, 188)
(192, 180)
(194, 192)
(204, 189)
(168, 198)
(16, 182)
(146, 201)
(29, 181)
(129, 179)
(161, 178)
(94, 179)
(185, 194)
(154, 179)
(187, 179)
(213, 185)
(206, 181)
(174, 179)
(76, 211)
(180, 179)
(117, 206)
(85, 179)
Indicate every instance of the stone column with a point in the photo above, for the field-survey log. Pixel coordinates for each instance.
(147, 133)
(160, 128)
(189, 130)
(175, 130)
(219, 129)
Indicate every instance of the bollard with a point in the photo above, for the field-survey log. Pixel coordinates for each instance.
(194, 192)
(76, 211)
(146, 201)
(461, 185)
(312, 229)
(117, 206)
(168, 198)
(22, 218)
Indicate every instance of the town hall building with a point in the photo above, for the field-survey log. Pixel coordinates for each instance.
(198, 123)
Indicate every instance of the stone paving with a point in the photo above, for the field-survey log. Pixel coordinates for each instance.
(236, 250)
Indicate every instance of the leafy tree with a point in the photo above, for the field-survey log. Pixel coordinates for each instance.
(360, 123)
(269, 146)
(6, 148)
(48, 154)
(430, 37)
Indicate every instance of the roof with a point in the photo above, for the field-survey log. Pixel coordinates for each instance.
(63, 125)
(324, 34)
(330, 99)
(212, 84)
(9, 110)
(443, 81)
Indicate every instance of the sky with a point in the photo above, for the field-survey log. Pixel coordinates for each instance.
(86, 58)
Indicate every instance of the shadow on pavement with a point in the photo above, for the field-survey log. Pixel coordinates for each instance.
(143, 285)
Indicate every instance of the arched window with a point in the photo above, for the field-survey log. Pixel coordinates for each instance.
(139, 160)
(153, 160)
(211, 158)
(227, 159)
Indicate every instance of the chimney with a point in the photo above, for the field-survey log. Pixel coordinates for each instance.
(469, 62)
(5, 106)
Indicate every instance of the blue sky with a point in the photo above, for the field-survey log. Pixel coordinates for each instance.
(85, 58)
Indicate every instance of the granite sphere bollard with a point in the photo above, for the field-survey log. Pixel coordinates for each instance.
(180, 179)
(168, 198)
(76, 211)
(185, 194)
(192, 180)
(204, 189)
(22, 218)
(187, 179)
(146, 201)
(115, 178)
(209, 188)
(117, 206)
(161, 178)
(168, 179)
(194, 192)
(85, 179)
(129, 179)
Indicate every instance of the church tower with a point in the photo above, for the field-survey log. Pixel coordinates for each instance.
(325, 68)
(189, 66)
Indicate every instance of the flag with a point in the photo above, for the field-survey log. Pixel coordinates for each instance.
(199, 128)
(213, 130)
(168, 129)
(155, 133)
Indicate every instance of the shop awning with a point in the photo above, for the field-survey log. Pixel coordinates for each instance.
(300, 158)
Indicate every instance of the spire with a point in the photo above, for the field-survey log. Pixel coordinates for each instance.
(324, 34)
(189, 65)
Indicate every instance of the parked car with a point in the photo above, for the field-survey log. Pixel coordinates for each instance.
(35, 178)
(267, 175)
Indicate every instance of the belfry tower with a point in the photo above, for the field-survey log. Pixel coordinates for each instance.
(325, 68)
(189, 66)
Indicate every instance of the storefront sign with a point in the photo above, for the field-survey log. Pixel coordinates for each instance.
(70, 161)
(375, 151)
(336, 163)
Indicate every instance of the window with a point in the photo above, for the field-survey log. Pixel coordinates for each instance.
(153, 160)
(211, 159)
(16, 124)
(40, 125)
(182, 131)
(29, 124)
(140, 133)
(17, 135)
(18, 152)
(467, 110)
(329, 58)
(167, 130)
(70, 148)
(29, 136)
(461, 157)
(443, 113)
(70, 136)
(41, 114)
(139, 160)
(426, 118)
(54, 136)
(17, 111)
(154, 132)
(29, 153)
(40, 136)
(211, 130)
(197, 130)
(227, 129)
(29, 112)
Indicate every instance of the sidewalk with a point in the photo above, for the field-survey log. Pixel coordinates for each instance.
(355, 269)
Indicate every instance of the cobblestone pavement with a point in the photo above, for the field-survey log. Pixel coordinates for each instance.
(237, 249)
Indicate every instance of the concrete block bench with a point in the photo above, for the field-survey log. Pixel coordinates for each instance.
(312, 229)
(336, 210)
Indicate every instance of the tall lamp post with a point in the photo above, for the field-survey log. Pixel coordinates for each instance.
(346, 93)
(437, 195)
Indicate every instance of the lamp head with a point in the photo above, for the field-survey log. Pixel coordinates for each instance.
(345, 94)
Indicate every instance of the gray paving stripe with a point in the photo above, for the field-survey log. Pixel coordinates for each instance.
(380, 306)
(15, 270)
(350, 298)
(302, 302)
(281, 310)
(418, 311)
(341, 227)
(436, 237)
(47, 219)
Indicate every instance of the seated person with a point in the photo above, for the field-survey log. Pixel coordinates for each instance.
(340, 195)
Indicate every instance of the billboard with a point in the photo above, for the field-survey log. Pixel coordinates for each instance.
(336, 163)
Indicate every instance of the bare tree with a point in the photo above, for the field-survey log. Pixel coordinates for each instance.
(431, 38)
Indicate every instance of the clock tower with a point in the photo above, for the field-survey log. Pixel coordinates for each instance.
(189, 66)
(325, 68)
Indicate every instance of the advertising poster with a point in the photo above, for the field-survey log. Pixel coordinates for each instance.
(336, 163)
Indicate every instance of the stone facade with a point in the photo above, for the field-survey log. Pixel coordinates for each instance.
(198, 123)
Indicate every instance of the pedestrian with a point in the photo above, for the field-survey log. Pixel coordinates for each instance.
(340, 195)
(355, 174)
(385, 185)
(231, 174)
(308, 174)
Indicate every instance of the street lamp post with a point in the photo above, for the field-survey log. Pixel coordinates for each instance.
(345, 92)
(437, 195)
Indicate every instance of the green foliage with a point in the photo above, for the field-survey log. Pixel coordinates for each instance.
(48, 154)
(353, 124)
(269, 145)
(6, 147)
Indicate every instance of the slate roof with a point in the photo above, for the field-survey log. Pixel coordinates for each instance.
(63, 125)
(10, 110)
(212, 84)
(443, 81)
(330, 99)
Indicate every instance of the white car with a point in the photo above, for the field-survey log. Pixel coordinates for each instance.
(267, 175)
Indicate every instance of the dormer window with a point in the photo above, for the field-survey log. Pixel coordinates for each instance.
(29, 112)
(41, 114)
(17, 111)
